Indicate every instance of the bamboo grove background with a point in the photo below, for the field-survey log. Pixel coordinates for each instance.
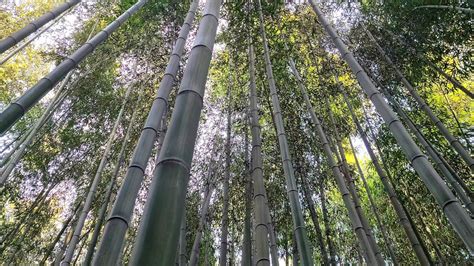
(284, 129)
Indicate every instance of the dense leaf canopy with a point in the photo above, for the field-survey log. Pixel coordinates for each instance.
(49, 182)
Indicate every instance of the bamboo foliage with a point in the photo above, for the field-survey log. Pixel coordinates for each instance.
(340, 154)
(20, 106)
(203, 216)
(374, 208)
(453, 141)
(451, 176)
(315, 219)
(247, 238)
(95, 184)
(158, 233)
(110, 186)
(121, 215)
(457, 216)
(433, 66)
(11, 160)
(260, 221)
(33, 26)
(26, 43)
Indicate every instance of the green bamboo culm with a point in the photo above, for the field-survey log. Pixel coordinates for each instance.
(110, 186)
(367, 251)
(158, 234)
(95, 182)
(203, 216)
(456, 214)
(33, 26)
(261, 230)
(20, 106)
(304, 246)
(394, 199)
(117, 224)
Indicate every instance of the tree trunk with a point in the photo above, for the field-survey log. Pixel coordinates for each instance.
(95, 183)
(158, 233)
(33, 26)
(225, 187)
(23, 45)
(368, 253)
(387, 240)
(457, 8)
(402, 216)
(194, 258)
(183, 258)
(295, 252)
(457, 216)
(261, 229)
(332, 252)
(58, 236)
(314, 218)
(352, 188)
(304, 246)
(460, 188)
(116, 226)
(110, 186)
(20, 147)
(247, 238)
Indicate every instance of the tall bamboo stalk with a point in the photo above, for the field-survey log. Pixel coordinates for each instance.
(120, 217)
(456, 8)
(33, 26)
(394, 199)
(261, 230)
(40, 198)
(387, 240)
(368, 252)
(453, 141)
(457, 216)
(327, 226)
(461, 189)
(210, 180)
(194, 258)
(20, 106)
(183, 258)
(247, 238)
(15, 155)
(304, 246)
(23, 45)
(66, 224)
(225, 185)
(95, 184)
(314, 218)
(158, 233)
(110, 186)
(352, 188)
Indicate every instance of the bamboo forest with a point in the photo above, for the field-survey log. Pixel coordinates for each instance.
(245, 132)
